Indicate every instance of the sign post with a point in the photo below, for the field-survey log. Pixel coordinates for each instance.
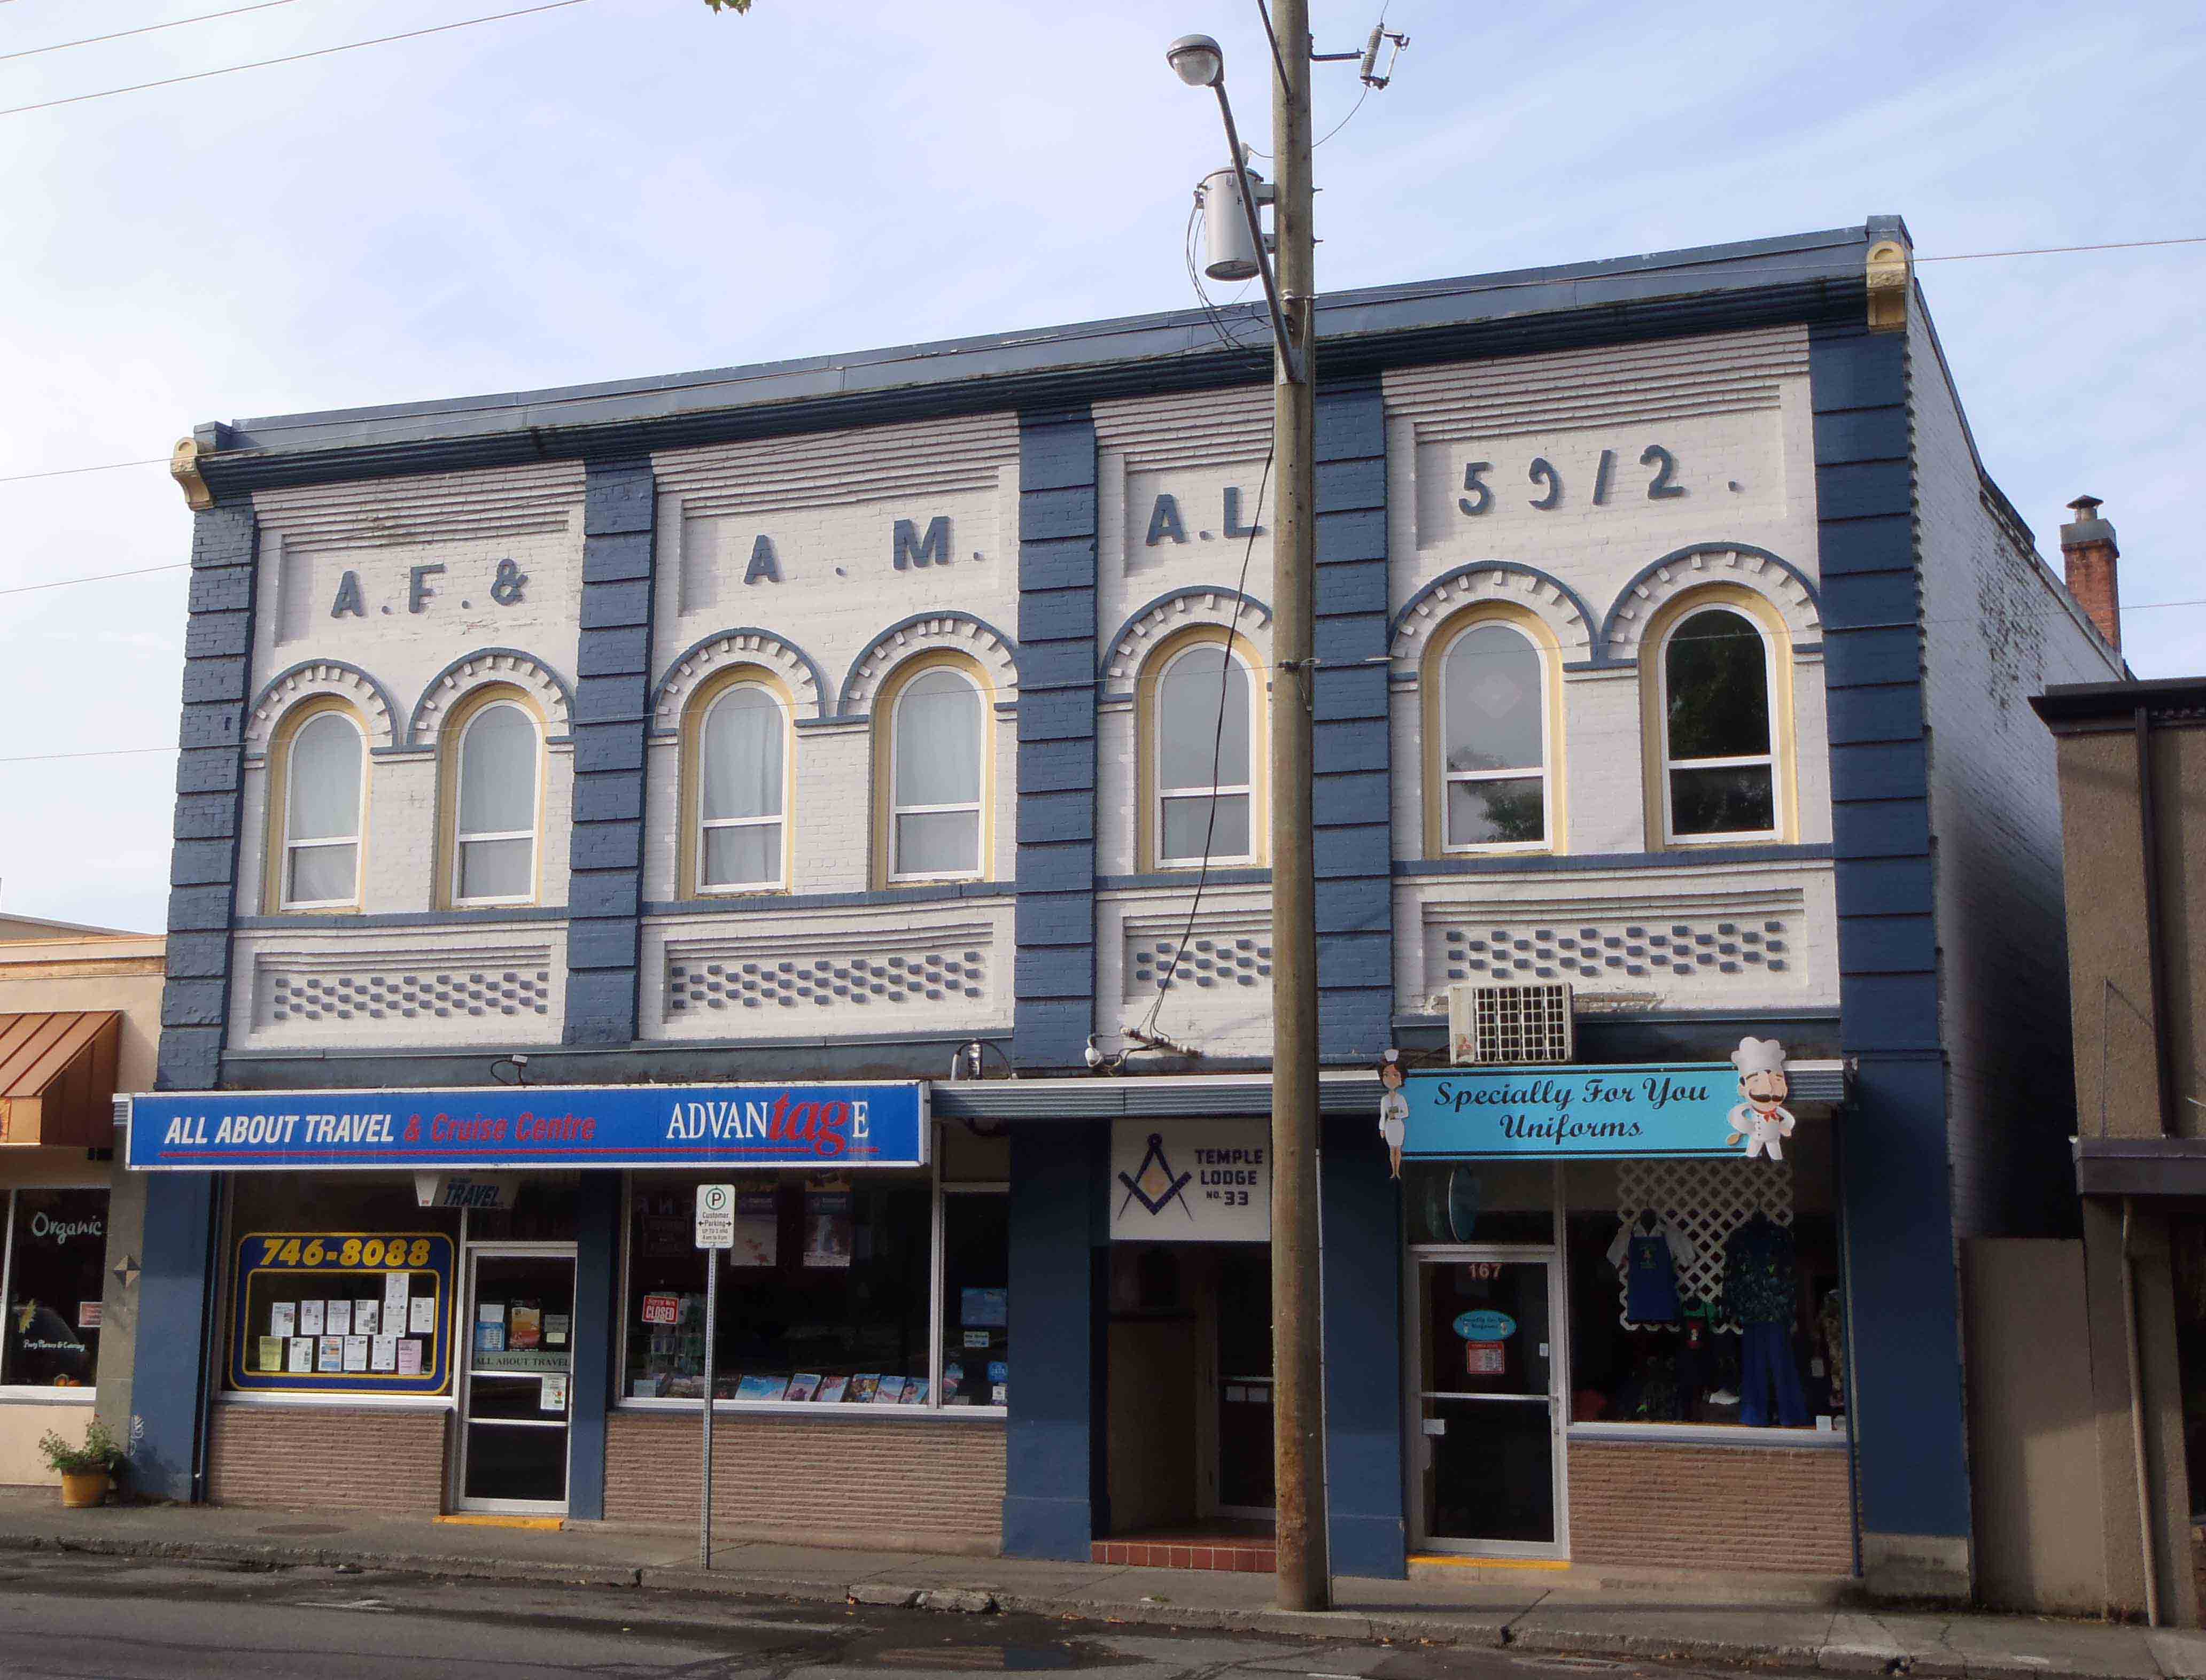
(716, 1230)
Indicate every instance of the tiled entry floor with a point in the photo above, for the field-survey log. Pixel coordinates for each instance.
(1238, 1545)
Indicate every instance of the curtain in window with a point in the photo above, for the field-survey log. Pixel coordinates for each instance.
(1203, 730)
(937, 790)
(498, 805)
(1493, 707)
(739, 800)
(322, 831)
(1721, 772)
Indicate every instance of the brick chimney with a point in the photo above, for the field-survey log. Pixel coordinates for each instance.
(2089, 555)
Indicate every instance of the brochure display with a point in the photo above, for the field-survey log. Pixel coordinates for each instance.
(310, 1311)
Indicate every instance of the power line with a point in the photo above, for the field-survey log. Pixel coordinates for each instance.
(144, 29)
(108, 753)
(293, 57)
(2063, 250)
(97, 577)
(68, 472)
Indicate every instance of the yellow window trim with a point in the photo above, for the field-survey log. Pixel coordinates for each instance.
(884, 737)
(1550, 649)
(1149, 843)
(1654, 727)
(278, 811)
(448, 740)
(690, 859)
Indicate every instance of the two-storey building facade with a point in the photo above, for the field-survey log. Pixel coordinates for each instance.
(890, 729)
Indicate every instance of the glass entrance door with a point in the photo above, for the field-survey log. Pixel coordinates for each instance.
(517, 1397)
(1488, 1406)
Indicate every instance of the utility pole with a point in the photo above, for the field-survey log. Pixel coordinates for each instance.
(1304, 1578)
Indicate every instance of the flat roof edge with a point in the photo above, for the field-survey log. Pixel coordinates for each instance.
(1655, 295)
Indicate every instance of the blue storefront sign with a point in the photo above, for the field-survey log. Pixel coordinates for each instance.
(823, 1127)
(1507, 1113)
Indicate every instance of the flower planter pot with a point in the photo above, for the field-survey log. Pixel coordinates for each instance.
(81, 1488)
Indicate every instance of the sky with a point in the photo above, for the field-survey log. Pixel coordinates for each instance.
(623, 187)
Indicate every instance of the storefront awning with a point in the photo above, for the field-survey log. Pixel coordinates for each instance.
(57, 1078)
(2140, 1166)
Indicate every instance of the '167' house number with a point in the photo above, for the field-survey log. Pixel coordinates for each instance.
(1661, 484)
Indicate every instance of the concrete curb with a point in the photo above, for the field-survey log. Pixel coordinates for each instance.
(1468, 1629)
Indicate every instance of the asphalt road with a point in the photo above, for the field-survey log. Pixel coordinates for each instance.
(65, 1617)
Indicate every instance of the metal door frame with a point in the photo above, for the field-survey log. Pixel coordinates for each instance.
(463, 1393)
(1550, 1257)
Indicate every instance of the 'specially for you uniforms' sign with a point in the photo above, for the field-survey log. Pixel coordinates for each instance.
(836, 1127)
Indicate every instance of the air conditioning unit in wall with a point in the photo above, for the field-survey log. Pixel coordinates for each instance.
(1509, 1025)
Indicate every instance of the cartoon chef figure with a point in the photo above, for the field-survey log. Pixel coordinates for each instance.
(1763, 1119)
(1393, 1108)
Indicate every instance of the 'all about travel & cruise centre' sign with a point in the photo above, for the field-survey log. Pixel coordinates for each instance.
(826, 1127)
(1474, 1113)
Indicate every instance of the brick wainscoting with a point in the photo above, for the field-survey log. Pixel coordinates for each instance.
(936, 1486)
(329, 1457)
(1710, 1508)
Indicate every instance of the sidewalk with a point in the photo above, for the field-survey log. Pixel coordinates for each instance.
(1763, 1620)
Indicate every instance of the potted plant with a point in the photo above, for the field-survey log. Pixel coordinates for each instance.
(88, 1470)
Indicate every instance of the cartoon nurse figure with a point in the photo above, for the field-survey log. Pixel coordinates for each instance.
(1762, 1120)
(1393, 1108)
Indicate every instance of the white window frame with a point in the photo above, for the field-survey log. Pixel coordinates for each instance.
(977, 807)
(1770, 760)
(351, 900)
(461, 839)
(39, 1393)
(1449, 778)
(707, 825)
(1218, 790)
(938, 1304)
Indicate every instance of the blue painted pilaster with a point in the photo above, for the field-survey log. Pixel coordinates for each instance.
(1903, 1294)
(1053, 1497)
(1054, 996)
(597, 1264)
(1351, 795)
(613, 659)
(1362, 1208)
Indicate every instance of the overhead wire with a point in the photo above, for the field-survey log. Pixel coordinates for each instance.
(293, 57)
(144, 29)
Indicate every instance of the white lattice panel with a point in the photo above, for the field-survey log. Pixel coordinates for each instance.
(1707, 1201)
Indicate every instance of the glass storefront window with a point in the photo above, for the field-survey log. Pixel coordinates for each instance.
(56, 1270)
(1479, 1202)
(829, 1297)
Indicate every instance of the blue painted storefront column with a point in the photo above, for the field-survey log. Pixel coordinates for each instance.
(1053, 1498)
(1903, 1306)
(167, 1390)
(1361, 1210)
(597, 1263)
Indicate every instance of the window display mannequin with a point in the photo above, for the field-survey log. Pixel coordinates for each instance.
(1760, 1289)
(1651, 1251)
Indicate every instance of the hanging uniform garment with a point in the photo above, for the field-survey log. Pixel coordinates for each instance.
(1651, 1258)
(1759, 1285)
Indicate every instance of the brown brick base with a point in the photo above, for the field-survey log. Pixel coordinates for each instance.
(329, 1457)
(1710, 1508)
(918, 1486)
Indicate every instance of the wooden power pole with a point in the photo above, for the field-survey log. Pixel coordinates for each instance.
(1298, 1411)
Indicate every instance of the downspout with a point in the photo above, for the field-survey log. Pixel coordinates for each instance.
(2155, 941)
(2136, 1425)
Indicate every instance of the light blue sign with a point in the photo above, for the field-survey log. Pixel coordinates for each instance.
(1486, 1325)
(1510, 1113)
(821, 1127)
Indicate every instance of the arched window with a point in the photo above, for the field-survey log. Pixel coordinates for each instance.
(1718, 756)
(321, 814)
(1204, 748)
(494, 835)
(936, 732)
(741, 785)
(1494, 739)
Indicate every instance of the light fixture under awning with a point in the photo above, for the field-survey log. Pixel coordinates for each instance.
(57, 1078)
